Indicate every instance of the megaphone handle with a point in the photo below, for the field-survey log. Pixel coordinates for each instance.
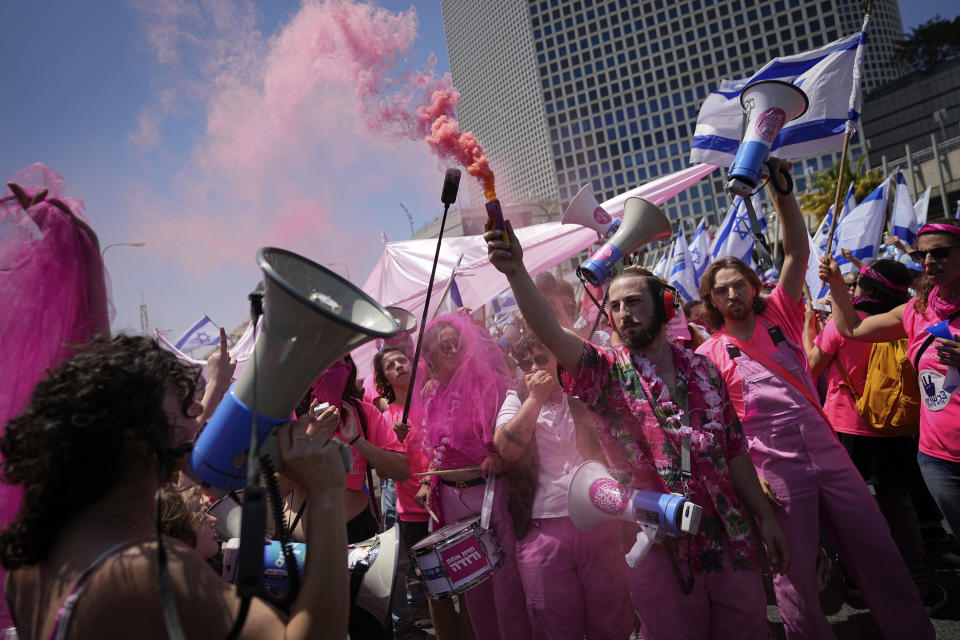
(786, 178)
(763, 254)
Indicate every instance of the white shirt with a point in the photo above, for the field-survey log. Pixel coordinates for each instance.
(559, 457)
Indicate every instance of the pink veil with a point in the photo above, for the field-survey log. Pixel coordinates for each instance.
(53, 292)
(459, 416)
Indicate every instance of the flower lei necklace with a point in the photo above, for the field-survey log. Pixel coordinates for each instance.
(671, 414)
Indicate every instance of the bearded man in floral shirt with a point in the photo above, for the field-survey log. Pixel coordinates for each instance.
(649, 393)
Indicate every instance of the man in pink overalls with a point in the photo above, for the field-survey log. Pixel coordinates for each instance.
(758, 352)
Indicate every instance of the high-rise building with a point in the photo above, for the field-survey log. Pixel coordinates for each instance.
(566, 92)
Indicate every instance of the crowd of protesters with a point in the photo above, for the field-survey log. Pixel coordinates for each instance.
(751, 409)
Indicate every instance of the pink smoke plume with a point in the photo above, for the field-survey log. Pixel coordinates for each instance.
(442, 132)
(331, 98)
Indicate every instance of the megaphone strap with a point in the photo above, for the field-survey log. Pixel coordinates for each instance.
(686, 584)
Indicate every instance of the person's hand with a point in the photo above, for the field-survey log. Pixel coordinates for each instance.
(778, 551)
(311, 462)
(846, 253)
(948, 351)
(540, 384)
(401, 429)
(220, 366)
(776, 166)
(506, 257)
(423, 495)
(891, 240)
(769, 492)
(491, 465)
(830, 273)
(326, 423)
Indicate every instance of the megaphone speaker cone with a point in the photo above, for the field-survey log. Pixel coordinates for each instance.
(643, 223)
(585, 211)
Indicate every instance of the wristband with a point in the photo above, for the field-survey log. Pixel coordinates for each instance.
(354, 440)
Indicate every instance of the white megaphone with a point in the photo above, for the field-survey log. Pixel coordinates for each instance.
(311, 318)
(594, 497)
(406, 321)
(768, 105)
(643, 223)
(585, 211)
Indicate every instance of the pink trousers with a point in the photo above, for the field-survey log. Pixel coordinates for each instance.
(575, 581)
(725, 604)
(498, 606)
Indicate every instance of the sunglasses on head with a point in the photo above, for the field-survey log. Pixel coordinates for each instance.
(940, 253)
(449, 346)
(527, 363)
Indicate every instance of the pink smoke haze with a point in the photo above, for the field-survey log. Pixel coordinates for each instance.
(324, 111)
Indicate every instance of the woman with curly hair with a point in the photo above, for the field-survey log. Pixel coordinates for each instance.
(102, 432)
(935, 358)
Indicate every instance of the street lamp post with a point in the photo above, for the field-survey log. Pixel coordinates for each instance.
(120, 244)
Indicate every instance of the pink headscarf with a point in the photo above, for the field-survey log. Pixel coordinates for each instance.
(459, 416)
(54, 293)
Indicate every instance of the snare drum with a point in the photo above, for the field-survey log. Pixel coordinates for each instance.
(456, 558)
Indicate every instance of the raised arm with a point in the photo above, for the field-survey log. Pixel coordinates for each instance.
(796, 247)
(565, 345)
(818, 358)
(882, 327)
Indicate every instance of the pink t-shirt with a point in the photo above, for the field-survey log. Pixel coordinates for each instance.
(379, 432)
(781, 311)
(370, 393)
(407, 505)
(940, 409)
(853, 355)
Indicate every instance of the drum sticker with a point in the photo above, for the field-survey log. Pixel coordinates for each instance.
(464, 560)
(601, 216)
(932, 388)
(770, 122)
(608, 496)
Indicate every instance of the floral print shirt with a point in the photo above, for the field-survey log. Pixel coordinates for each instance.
(615, 383)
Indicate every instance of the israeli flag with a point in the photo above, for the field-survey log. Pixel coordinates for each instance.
(830, 76)
(203, 333)
(680, 274)
(904, 218)
(661, 269)
(861, 230)
(815, 285)
(920, 208)
(735, 237)
(700, 250)
(820, 237)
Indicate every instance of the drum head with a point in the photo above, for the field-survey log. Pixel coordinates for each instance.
(228, 511)
(445, 533)
(376, 589)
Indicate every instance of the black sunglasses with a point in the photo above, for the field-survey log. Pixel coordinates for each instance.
(527, 363)
(940, 253)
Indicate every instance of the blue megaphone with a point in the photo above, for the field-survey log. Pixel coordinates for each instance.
(311, 318)
(643, 223)
(768, 105)
(940, 330)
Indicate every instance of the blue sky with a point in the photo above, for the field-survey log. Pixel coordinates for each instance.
(139, 105)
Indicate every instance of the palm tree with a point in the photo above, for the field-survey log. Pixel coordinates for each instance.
(822, 187)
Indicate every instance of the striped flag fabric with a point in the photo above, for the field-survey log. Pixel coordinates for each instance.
(903, 221)
(820, 237)
(861, 230)
(920, 208)
(203, 333)
(735, 238)
(830, 76)
(700, 250)
(680, 274)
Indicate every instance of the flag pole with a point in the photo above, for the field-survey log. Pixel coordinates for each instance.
(836, 200)
(849, 127)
